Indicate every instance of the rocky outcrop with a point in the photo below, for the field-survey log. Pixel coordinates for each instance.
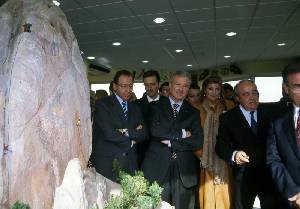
(84, 189)
(44, 102)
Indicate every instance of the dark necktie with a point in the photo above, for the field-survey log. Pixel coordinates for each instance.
(298, 129)
(253, 123)
(175, 112)
(124, 107)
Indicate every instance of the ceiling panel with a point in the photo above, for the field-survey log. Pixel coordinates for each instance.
(235, 12)
(79, 16)
(198, 26)
(90, 27)
(108, 11)
(195, 15)
(233, 23)
(123, 23)
(200, 35)
(269, 21)
(141, 7)
(148, 19)
(277, 8)
(225, 3)
(164, 29)
(180, 5)
(93, 3)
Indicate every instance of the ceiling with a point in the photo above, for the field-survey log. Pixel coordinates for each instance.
(196, 26)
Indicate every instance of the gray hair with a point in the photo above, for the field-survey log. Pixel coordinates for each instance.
(181, 73)
(239, 83)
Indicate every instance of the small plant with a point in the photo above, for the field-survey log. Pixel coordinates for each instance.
(137, 192)
(20, 205)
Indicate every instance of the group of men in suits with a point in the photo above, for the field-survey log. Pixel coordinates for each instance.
(264, 155)
(170, 124)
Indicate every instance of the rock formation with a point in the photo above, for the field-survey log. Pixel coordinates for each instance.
(83, 189)
(44, 102)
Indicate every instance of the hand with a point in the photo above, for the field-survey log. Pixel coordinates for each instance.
(188, 134)
(295, 200)
(165, 142)
(139, 127)
(241, 158)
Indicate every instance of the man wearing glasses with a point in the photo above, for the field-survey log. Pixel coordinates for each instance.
(283, 150)
(118, 126)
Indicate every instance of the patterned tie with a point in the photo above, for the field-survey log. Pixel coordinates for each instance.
(175, 112)
(124, 107)
(298, 129)
(253, 123)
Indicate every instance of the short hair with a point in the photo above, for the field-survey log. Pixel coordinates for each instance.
(151, 73)
(239, 83)
(120, 73)
(227, 86)
(181, 73)
(162, 85)
(290, 69)
(194, 86)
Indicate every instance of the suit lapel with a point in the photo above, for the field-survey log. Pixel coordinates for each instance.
(117, 107)
(242, 120)
(167, 108)
(289, 130)
(183, 111)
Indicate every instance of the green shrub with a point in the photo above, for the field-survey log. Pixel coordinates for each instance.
(20, 205)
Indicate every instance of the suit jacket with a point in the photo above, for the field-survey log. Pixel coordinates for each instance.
(110, 144)
(236, 134)
(144, 106)
(283, 155)
(163, 126)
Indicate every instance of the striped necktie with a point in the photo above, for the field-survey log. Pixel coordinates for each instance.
(175, 111)
(124, 107)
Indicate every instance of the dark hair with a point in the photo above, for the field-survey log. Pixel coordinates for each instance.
(290, 69)
(162, 85)
(120, 73)
(152, 73)
(194, 86)
(227, 86)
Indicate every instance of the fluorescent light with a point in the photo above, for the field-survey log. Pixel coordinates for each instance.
(227, 56)
(117, 44)
(56, 3)
(179, 50)
(231, 34)
(189, 65)
(281, 44)
(159, 20)
(90, 58)
(145, 61)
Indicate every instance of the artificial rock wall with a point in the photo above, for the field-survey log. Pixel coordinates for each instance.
(44, 102)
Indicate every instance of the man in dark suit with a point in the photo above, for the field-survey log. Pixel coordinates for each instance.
(118, 126)
(175, 135)
(283, 150)
(241, 142)
(151, 81)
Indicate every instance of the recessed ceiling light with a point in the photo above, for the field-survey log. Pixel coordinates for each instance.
(227, 56)
(169, 39)
(56, 3)
(91, 58)
(189, 65)
(117, 44)
(145, 61)
(281, 44)
(179, 50)
(231, 34)
(159, 20)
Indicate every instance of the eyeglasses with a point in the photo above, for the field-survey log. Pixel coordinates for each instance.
(129, 86)
(294, 87)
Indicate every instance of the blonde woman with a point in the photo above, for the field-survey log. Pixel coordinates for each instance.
(214, 191)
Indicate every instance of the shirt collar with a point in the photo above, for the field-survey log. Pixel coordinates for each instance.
(152, 100)
(173, 102)
(120, 99)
